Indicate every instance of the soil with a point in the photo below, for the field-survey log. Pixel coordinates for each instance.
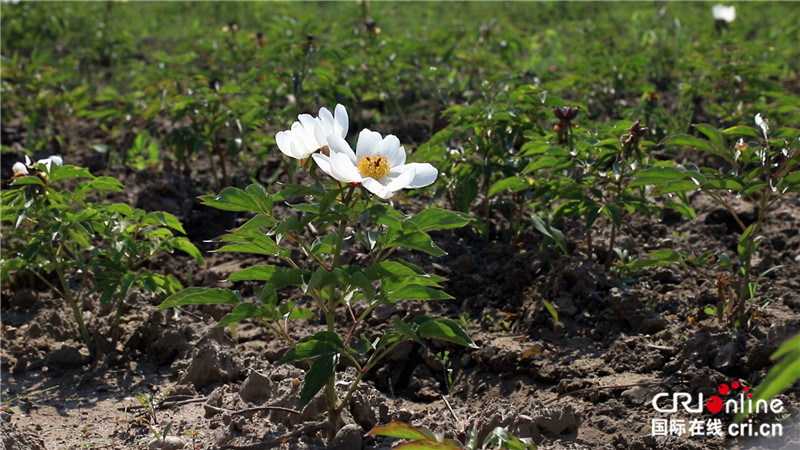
(587, 383)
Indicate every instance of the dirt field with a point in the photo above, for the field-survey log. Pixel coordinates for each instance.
(588, 383)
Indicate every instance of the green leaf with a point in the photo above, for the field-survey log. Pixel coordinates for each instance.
(552, 310)
(163, 218)
(235, 199)
(261, 272)
(185, 245)
(392, 269)
(418, 241)
(58, 173)
(319, 344)
(747, 243)
(510, 185)
(685, 140)
(713, 135)
(683, 208)
(28, 180)
(551, 232)
(249, 241)
(261, 198)
(317, 376)
(400, 430)
(432, 219)
(741, 130)
(202, 296)
(782, 375)
(105, 184)
(404, 330)
(441, 328)
(418, 292)
(243, 311)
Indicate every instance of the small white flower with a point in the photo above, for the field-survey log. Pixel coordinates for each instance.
(310, 134)
(762, 123)
(724, 13)
(378, 164)
(22, 168)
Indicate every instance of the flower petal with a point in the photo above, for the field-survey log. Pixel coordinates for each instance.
(424, 175)
(323, 162)
(326, 118)
(377, 188)
(313, 127)
(400, 180)
(337, 144)
(284, 141)
(342, 120)
(20, 168)
(368, 142)
(343, 169)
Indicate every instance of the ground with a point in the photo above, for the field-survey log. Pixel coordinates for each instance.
(588, 382)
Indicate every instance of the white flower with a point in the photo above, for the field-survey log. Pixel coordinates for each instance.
(378, 164)
(724, 13)
(22, 168)
(310, 134)
(762, 123)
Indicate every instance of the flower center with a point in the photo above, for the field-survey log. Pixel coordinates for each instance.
(374, 166)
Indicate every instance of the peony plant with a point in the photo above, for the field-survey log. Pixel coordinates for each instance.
(343, 248)
(79, 247)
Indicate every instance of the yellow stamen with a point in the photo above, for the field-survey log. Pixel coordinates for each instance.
(374, 166)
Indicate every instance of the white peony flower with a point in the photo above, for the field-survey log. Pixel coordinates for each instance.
(22, 168)
(724, 13)
(310, 134)
(378, 164)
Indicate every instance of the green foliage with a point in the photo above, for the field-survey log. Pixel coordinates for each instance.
(761, 166)
(781, 376)
(327, 280)
(424, 439)
(78, 244)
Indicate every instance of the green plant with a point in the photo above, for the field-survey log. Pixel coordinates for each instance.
(783, 374)
(57, 229)
(353, 262)
(424, 439)
(482, 154)
(450, 378)
(761, 170)
(8, 401)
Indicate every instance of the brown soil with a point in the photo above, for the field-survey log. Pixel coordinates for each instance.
(587, 383)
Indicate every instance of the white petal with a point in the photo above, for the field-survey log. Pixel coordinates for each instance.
(284, 141)
(424, 175)
(391, 149)
(377, 188)
(342, 120)
(323, 162)
(326, 119)
(20, 168)
(343, 169)
(337, 144)
(313, 130)
(368, 142)
(28, 161)
(400, 180)
(304, 139)
(57, 160)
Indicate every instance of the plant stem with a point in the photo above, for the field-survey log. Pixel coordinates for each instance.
(87, 339)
